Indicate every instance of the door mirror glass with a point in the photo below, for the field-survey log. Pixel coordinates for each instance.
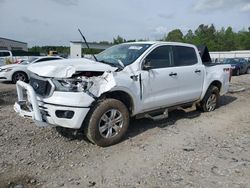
(147, 64)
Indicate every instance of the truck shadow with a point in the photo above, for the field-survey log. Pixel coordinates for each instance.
(225, 100)
(138, 126)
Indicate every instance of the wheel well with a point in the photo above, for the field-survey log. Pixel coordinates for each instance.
(217, 84)
(123, 97)
(21, 72)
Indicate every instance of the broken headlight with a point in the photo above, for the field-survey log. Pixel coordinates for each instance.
(72, 85)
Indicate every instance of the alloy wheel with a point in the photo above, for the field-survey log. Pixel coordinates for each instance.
(110, 123)
(211, 102)
(20, 76)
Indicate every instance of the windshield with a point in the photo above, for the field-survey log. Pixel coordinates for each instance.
(227, 61)
(126, 53)
(30, 60)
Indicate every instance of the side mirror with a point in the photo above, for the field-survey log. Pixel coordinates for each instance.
(147, 64)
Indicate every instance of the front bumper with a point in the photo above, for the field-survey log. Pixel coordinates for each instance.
(46, 114)
(5, 76)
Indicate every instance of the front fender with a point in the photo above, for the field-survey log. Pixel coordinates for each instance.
(134, 95)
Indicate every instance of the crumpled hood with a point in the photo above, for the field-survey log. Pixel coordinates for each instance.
(67, 67)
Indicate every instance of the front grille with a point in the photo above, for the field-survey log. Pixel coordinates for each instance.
(41, 86)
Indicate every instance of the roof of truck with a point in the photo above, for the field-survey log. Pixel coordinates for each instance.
(161, 42)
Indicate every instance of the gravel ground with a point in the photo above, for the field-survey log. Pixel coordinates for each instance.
(186, 150)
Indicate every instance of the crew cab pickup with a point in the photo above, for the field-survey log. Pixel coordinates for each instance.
(140, 79)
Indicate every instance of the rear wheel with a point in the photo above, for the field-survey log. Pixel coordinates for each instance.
(107, 122)
(237, 72)
(19, 76)
(210, 100)
(248, 70)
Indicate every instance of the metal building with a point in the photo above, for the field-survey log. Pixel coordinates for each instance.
(9, 44)
(77, 46)
(219, 56)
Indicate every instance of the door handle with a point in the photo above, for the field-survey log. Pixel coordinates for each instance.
(196, 71)
(173, 74)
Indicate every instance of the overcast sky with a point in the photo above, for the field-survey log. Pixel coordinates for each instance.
(55, 22)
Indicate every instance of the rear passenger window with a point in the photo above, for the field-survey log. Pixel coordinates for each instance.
(184, 56)
(160, 57)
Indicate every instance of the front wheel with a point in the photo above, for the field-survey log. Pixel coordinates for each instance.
(210, 100)
(107, 122)
(19, 76)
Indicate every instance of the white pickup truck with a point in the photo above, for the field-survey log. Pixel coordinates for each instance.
(141, 79)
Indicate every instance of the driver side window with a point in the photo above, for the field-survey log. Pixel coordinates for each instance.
(160, 57)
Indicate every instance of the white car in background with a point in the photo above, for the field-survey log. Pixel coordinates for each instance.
(15, 72)
(5, 55)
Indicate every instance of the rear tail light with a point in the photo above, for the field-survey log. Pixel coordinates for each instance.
(230, 70)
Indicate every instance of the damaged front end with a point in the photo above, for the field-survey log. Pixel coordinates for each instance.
(62, 102)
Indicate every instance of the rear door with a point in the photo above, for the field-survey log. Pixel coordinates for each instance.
(191, 72)
(174, 78)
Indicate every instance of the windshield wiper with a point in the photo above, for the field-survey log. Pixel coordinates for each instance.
(119, 65)
(86, 43)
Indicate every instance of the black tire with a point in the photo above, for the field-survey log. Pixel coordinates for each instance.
(248, 70)
(19, 76)
(211, 99)
(99, 125)
(237, 73)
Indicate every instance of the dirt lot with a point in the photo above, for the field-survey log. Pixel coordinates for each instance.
(186, 150)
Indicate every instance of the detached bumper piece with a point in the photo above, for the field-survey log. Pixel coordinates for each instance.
(28, 108)
(21, 108)
(44, 114)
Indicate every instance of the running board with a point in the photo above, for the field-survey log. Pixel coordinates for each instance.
(163, 112)
(157, 117)
(189, 109)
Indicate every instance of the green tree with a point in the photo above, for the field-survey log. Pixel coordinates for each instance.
(104, 42)
(175, 36)
(118, 40)
(229, 40)
(189, 37)
(206, 35)
(243, 40)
